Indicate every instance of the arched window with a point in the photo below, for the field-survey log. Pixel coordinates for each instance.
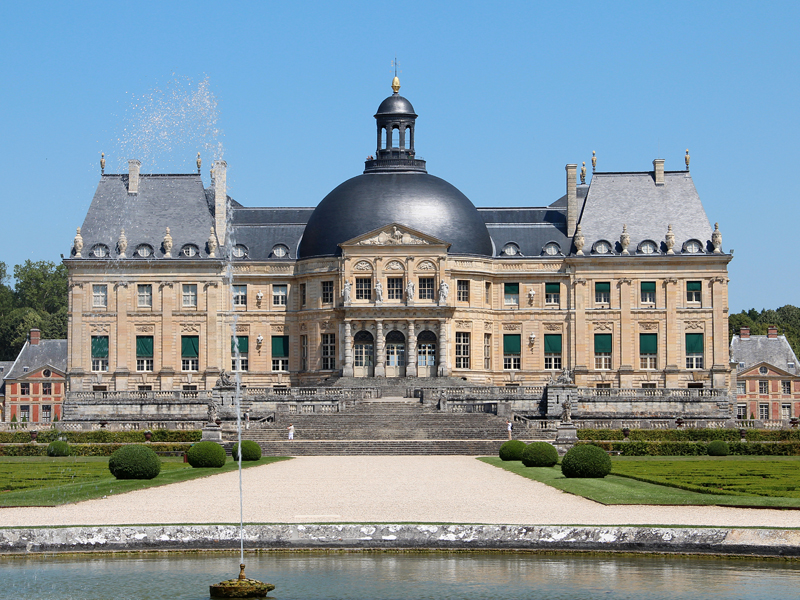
(363, 336)
(426, 337)
(395, 137)
(395, 337)
(383, 138)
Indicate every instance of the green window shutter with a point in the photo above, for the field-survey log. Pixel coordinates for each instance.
(602, 286)
(244, 344)
(280, 346)
(144, 346)
(694, 286)
(602, 342)
(648, 343)
(190, 346)
(552, 288)
(512, 288)
(99, 346)
(694, 343)
(512, 343)
(552, 343)
(648, 286)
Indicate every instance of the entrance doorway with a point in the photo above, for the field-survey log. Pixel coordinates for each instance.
(426, 354)
(395, 354)
(363, 352)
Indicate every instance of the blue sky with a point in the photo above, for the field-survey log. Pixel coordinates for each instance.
(507, 93)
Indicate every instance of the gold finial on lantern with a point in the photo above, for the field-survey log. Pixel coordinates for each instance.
(594, 161)
(396, 80)
(102, 163)
(687, 158)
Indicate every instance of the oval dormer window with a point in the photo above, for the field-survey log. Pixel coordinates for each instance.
(100, 251)
(511, 249)
(47, 372)
(280, 251)
(763, 370)
(239, 251)
(602, 247)
(648, 247)
(552, 249)
(693, 247)
(144, 251)
(190, 250)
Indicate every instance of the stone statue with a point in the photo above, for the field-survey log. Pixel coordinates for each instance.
(346, 292)
(224, 380)
(212, 244)
(444, 289)
(579, 241)
(212, 412)
(566, 414)
(78, 243)
(625, 239)
(583, 174)
(378, 291)
(669, 240)
(410, 290)
(531, 294)
(716, 236)
(167, 244)
(122, 244)
(565, 377)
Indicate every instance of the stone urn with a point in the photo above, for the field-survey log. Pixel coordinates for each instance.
(148, 435)
(34, 435)
(626, 432)
(743, 434)
(218, 421)
(794, 422)
(679, 422)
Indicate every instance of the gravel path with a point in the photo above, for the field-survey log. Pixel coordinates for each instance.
(386, 489)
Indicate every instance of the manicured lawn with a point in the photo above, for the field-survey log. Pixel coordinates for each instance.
(45, 481)
(616, 489)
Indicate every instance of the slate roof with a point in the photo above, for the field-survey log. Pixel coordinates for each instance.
(759, 348)
(5, 367)
(175, 201)
(51, 353)
(634, 199)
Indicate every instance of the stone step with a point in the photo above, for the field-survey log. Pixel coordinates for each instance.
(381, 447)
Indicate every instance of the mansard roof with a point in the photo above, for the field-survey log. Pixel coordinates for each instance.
(763, 349)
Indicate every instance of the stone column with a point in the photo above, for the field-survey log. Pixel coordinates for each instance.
(443, 370)
(347, 371)
(626, 342)
(411, 363)
(380, 351)
(580, 354)
(672, 342)
(719, 339)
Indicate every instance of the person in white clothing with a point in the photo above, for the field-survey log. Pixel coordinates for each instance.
(291, 431)
(510, 427)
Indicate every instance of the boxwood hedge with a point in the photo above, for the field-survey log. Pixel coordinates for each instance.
(540, 454)
(512, 450)
(586, 461)
(206, 455)
(250, 450)
(134, 461)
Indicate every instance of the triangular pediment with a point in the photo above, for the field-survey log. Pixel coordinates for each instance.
(772, 371)
(37, 373)
(395, 234)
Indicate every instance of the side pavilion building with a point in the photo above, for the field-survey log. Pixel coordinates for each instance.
(396, 274)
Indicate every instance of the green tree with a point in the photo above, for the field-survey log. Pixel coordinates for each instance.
(41, 285)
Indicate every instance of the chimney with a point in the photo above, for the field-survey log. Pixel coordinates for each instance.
(34, 337)
(744, 333)
(133, 176)
(772, 332)
(220, 199)
(658, 168)
(572, 199)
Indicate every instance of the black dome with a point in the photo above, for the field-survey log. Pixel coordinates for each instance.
(418, 200)
(395, 105)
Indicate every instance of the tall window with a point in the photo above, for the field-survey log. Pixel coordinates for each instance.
(240, 295)
(242, 344)
(190, 294)
(648, 289)
(602, 351)
(25, 413)
(425, 288)
(394, 288)
(487, 351)
(552, 351)
(462, 290)
(786, 412)
(47, 389)
(462, 350)
(327, 292)
(99, 353)
(511, 294)
(279, 293)
(602, 292)
(786, 387)
(512, 351)
(741, 411)
(24, 389)
(46, 413)
(763, 411)
(363, 288)
(694, 350)
(763, 387)
(144, 353)
(487, 294)
(693, 291)
(280, 352)
(328, 351)
(190, 353)
(144, 295)
(302, 294)
(426, 349)
(648, 350)
(740, 388)
(304, 353)
(99, 296)
(552, 294)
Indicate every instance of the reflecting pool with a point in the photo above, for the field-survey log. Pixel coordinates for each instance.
(377, 576)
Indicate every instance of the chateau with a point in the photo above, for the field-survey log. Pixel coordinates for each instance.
(622, 281)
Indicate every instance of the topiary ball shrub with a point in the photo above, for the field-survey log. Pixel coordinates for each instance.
(206, 455)
(58, 448)
(586, 461)
(718, 448)
(250, 450)
(540, 454)
(134, 461)
(512, 450)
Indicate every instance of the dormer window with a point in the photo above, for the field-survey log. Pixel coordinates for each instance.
(239, 251)
(602, 247)
(190, 251)
(144, 251)
(552, 249)
(692, 247)
(100, 251)
(511, 249)
(648, 247)
(280, 251)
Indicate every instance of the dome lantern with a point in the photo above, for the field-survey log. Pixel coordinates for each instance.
(395, 122)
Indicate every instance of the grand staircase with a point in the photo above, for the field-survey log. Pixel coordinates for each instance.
(390, 425)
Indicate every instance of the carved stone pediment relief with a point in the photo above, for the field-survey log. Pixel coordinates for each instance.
(394, 266)
(464, 324)
(393, 236)
(99, 327)
(362, 265)
(604, 326)
(277, 327)
(242, 328)
(145, 328)
(190, 327)
(325, 325)
(426, 265)
(303, 327)
(552, 326)
(694, 325)
(648, 326)
(487, 325)
(512, 327)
